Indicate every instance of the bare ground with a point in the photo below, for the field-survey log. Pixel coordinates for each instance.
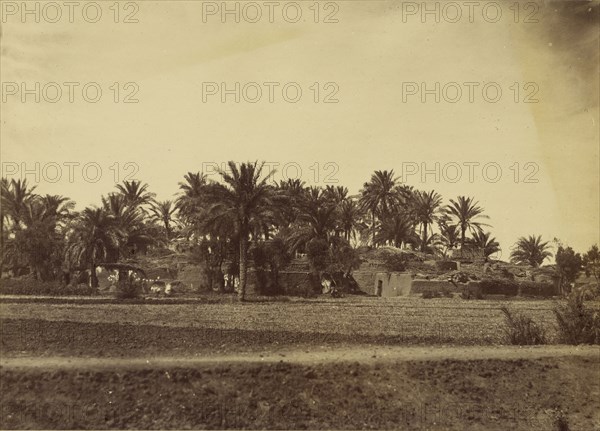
(316, 355)
(425, 392)
(369, 365)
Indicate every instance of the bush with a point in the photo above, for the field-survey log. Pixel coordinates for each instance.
(446, 293)
(30, 286)
(498, 286)
(588, 291)
(442, 293)
(472, 291)
(269, 259)
(429, 294)
(395, 261)
(521, 330)
(129, 288)
(471, 294)
(317, 251)
(539, 289)
(577, 324)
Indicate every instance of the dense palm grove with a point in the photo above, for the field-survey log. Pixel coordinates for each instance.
(242, 217)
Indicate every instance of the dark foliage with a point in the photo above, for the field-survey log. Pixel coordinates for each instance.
(129, 288)
(521, 330)
(27, 286)
(537, 289)
(498, 286)
(577, 323)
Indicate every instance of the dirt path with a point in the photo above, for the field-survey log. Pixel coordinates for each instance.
(317, 356)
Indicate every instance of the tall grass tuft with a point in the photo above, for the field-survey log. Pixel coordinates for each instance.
(521, 330)
(577, 324)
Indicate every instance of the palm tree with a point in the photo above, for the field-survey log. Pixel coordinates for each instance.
(191, 194)
(135, 193)
(37, 241)
(379, 196)
(316, 219)
(53, 210)
(432, 244)
(486, 243)
(94, 235)
(163, 212)
(135, 234)
(58, 206)
(34, 221)
(465, 211)
(450, 236)
(290, 194)
(336, 194)
(397, 230)
(530, 251)
(4, 191)
(425, 207)
(245, 198)
(192, 186)
(15, 197)
(350, 215)
(210, 238)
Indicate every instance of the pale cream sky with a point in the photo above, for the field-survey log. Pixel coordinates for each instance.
(373, 49)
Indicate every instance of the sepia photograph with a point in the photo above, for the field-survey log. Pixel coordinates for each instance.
(300, 215)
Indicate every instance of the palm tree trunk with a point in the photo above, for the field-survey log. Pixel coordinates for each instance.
(93, 277)
(33, 271)
(1, 244)
(243, 267)
(463, 231)
(373, 226)
(424, 242)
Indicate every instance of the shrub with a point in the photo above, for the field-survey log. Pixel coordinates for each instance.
(429, 294)
(498, 286)
(260, 259)
(471, 294)
(269, 258)
(395, 261)
(317, 251)
(535, 288)
(568, 265)
(30, 286)
(521, 330)
(472, 291)
(577, 324)
(588, 291)
(446, 293)
(129, 288)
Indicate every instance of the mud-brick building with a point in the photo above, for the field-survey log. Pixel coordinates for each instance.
(390, 284)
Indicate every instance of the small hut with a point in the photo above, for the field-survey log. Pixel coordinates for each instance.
(389, 284)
